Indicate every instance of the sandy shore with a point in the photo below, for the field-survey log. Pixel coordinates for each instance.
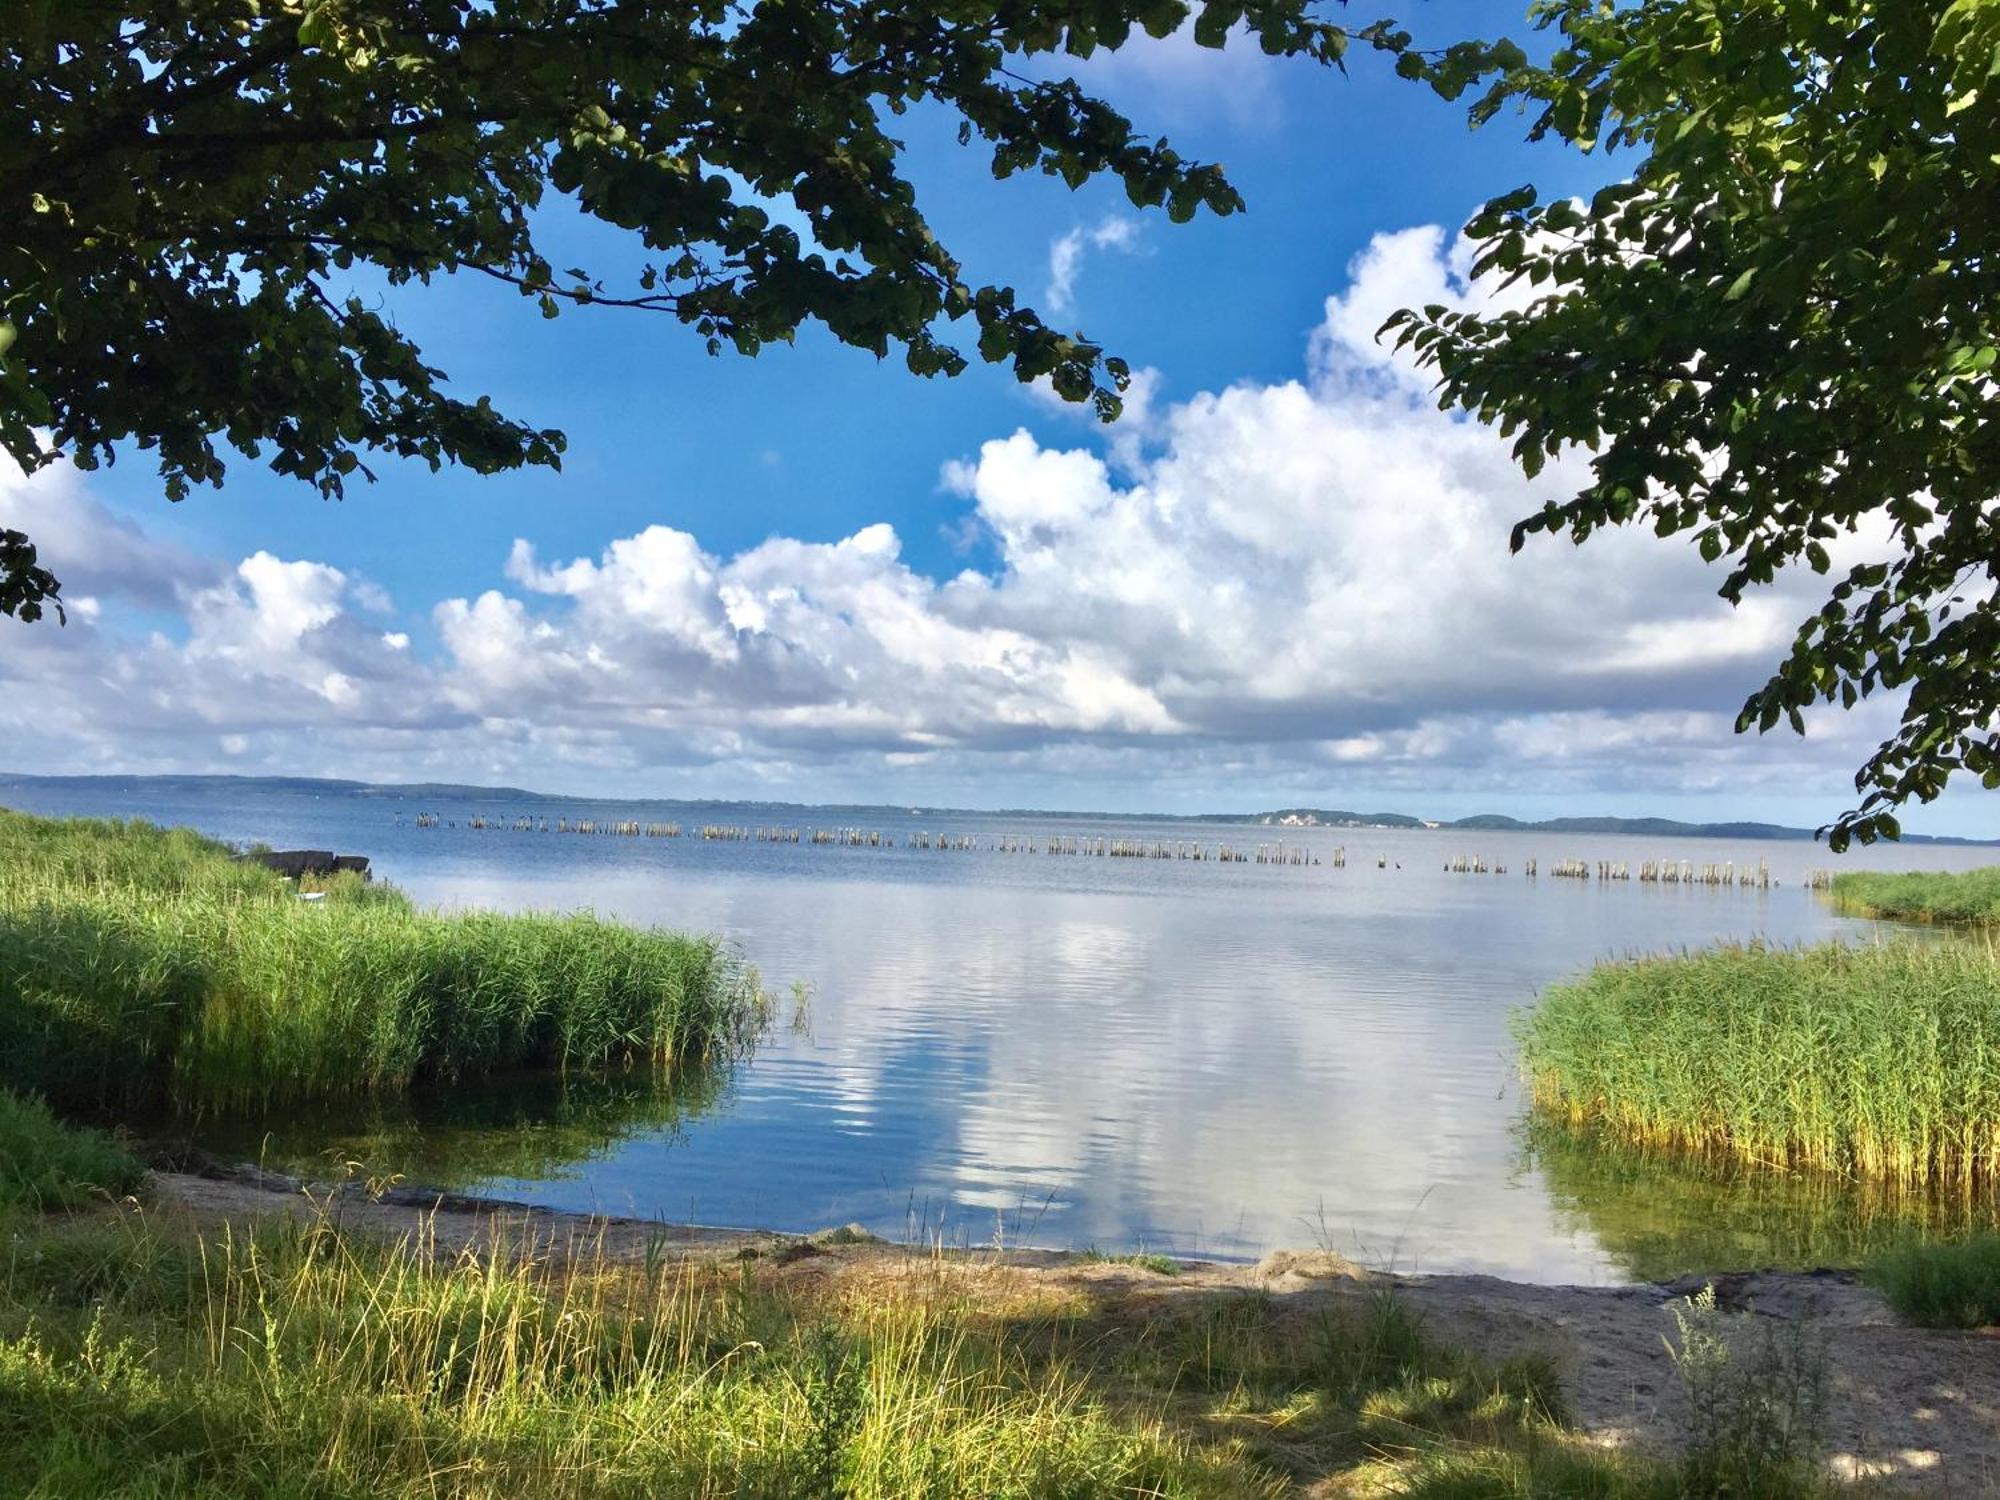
(1918, 1410)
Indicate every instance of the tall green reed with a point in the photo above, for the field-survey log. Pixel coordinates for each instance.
(1880, 1063)
(146, 966)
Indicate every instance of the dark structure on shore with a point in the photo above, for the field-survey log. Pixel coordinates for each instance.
(294, 863)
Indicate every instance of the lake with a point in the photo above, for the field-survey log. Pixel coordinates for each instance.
(1192, 1057)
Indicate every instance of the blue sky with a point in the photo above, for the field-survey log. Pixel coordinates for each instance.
(809, 440)
(684, 620)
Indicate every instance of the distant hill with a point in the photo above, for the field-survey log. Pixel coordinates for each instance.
(1648, 828)
(303, 786)
(1666, 828)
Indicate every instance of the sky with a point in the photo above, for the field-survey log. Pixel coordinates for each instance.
(1281, 580)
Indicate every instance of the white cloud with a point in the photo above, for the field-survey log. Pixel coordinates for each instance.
(1270, 588)
(84, 544)
(1066, 254)
(1173, 82)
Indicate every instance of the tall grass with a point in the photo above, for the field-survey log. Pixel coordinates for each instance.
(1881, 1063)
(1965, 898)
(140, 965)
(45, 1164)
(1950, 1285)
(241, 1365)
(143, 1358)
(116, 856)
(301, 1359)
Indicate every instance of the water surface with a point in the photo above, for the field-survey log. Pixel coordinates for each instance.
(1196, 1058)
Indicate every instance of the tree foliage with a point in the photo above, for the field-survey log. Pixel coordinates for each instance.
(1781, 328)
(186, 186)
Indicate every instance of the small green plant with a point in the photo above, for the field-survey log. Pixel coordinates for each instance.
(48, 1165)
(836, 1392)
(1756, 1402)
(1159, 1265)
(1953, 1285)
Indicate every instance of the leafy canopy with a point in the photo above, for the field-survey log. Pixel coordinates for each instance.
(1781, 329)
(185, 184)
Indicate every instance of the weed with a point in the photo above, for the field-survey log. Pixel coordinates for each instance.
(1756, 1395)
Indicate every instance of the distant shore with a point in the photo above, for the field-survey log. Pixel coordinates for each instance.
(1300, 817)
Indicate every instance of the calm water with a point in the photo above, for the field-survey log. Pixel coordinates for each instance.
(1195, 1058)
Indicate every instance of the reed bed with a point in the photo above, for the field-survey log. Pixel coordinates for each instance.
(1968, 898)
(142, 966)
(1880, 1063)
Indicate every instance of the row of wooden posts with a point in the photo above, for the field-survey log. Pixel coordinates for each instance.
(1651, 871)
(1280, 853)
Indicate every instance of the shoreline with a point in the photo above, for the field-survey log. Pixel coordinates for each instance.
(1909, 1408)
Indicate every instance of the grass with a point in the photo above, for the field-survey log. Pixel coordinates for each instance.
(45, 1164)
(1971, 897)
(143, 1358)
(302, 1361)
(1144, 1260)
(141, 966)
(1954, 1284)
(298, 1360)
(1879, 1063)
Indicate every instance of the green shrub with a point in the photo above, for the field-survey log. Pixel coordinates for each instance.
(1949, 1285)
(45, 1164)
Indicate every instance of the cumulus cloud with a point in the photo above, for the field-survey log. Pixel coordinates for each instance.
(1291, 585)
